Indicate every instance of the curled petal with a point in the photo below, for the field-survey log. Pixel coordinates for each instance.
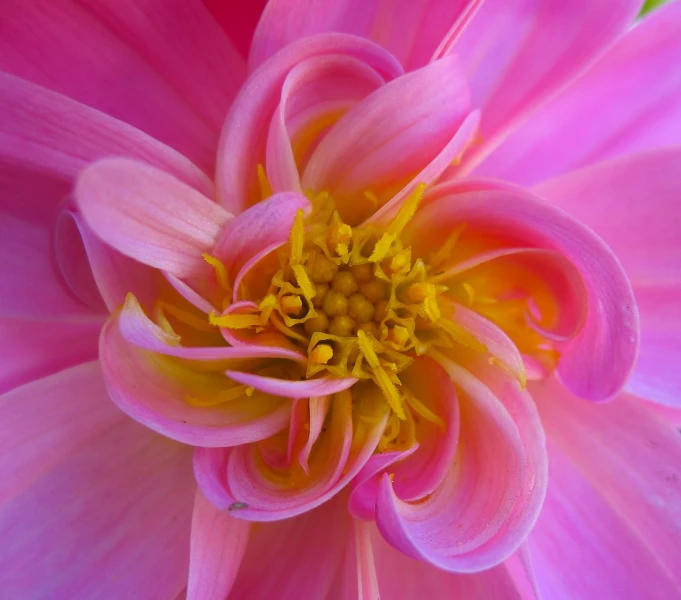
(244, 134)
(293, 389)
(365, 150)
(492, 494)
(160, 392)
(596, 363)
(149, 215)
(240, 478)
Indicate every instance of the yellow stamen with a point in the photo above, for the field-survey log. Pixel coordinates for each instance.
(264, 183)
(234, 321)
(291, 305)
(266, 306)
(304, 282)
(321, 354)
(220, 271)
(407, 210)
(398, 335)
(297, 238)
(418, 292)
(366, 347)
(424, 411)
(184, 317)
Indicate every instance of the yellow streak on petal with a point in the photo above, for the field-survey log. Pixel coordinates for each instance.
(264, 183)
(407, 210)
(424, 411)
(234, 321)
(297, 239)
(220, 271)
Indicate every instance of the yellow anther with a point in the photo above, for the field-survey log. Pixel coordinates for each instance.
(382, 247)
(345, 283)
(220, 271)
(398, 335)
(264, 183)
(407, 210)
(432, 309)
(470, 293)
(234, 321)
(249, 391)
(321, 354)
(297, 238)
(266, 306)
(291, 305)
(304, 282)
(339, 233)
(401, 262)
(418, 292)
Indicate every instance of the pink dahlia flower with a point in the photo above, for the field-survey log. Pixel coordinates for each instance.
(345, 307)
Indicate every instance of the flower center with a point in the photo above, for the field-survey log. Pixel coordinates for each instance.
(354, 299)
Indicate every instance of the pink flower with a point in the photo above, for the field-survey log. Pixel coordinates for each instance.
(379, 331)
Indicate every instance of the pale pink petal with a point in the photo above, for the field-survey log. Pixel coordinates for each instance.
(293, 389)
(402, 578)
(490, 499)
(218, 543)
(233, 477)
(164, 67)
(627, 102)
(149, 215)
(319, 409)
(238, 20)
(392, 135)
(615, 472)
(144, 387)
(411, 31)
(28, 347)
(266, 223)
(244, 135)
(46, 139)
(296, 556)
(77, 474)
(135, 327)
(30, 285)
(517, 53)
(315, 94)
(597, 362)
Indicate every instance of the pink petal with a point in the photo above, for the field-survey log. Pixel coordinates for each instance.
(218, 543)
(411, 32)
(621, 460)
(180, 71)
(637, 84)
(402, 578)
(318, 90)
(242, 144)
(158, 398)
(264, 224)
(597, 362)
(392, 135)
(30, 285)
(319, 409)
(293, 389)
(46, 139)
(303, 553)
(518, 53)
(237, 20)
(233, 476)
(77, 474)
(149, 215)
(490, 499)
(28, 347)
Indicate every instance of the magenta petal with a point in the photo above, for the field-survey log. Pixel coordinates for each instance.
(518, 53)
(614, 491)
(30, 285)
(411, 31)
(28, 347)
(152, 396)
(637, 85)
(164, 67)
(149, 215)
(77, 473)
(217, 547)
(48, 138)
(598, 361)
(318, 539)
(244, 135)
